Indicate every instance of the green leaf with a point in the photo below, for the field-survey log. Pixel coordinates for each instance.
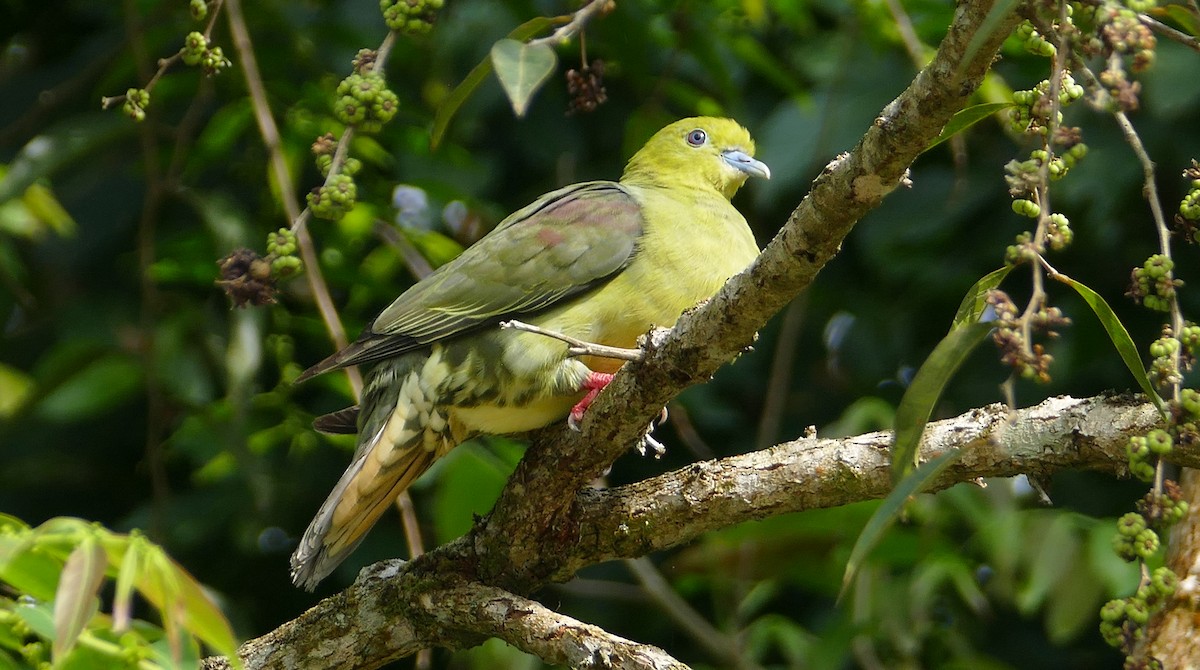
(75, 600)
(477, 75)
(922, 395)
(966, 332)
(1056, 555)
(522, 69)
(184, 605)
(131, 565)
(38, 617)
(965, 118)
(1182, 16)
(974, 303)
(29, 572)
(890, 509)
(65, 144)
(1119, 337)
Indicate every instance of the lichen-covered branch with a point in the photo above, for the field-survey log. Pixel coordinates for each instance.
(534, 505)
(396, 608)
(542, 519)
(531, 627)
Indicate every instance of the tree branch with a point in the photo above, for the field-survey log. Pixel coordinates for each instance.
(531, 627)
(534, 507)
(395, 608)
(542, 519)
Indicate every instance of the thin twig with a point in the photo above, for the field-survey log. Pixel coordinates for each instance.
(150, 298)
(279, 169)
(577, 346)
(685, 428)
(720, 646)
(1170, 33)
(908, 35)
(579, 20)
(780, 380)
(417, 265)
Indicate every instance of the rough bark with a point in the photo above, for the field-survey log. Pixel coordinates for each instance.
(546, 525)
(1172, 636)
(396, 608)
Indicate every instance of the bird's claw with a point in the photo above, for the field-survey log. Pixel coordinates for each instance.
(650, 446)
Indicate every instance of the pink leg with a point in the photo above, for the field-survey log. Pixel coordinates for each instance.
(594, 382)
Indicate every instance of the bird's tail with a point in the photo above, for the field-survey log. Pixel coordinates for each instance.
(399, 443)
(361, 496)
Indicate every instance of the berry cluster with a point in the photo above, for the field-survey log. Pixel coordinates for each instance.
(365, 101)
(136, 102)
(1154, 283)
(1028, 359)
(1033, 107)
(586, 88)
(1112, 31)
(332, 200)
(1033, 41)
(1187, 221)
(198, 51)
(1123, 621)
(414, 17)
(250, 279)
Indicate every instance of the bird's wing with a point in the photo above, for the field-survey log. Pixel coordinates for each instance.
(564, 243)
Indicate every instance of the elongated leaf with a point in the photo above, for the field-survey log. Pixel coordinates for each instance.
(922, 395)
(522, 69)
(478, 74)
(1119, 337)
(131, 565)
(1182, 16)
(65, 144)
(974, 303)
(890, 509)
(75, 601)
(184, 606)
(965, 118)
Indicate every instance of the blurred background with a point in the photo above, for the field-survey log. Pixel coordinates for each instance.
(133, 395)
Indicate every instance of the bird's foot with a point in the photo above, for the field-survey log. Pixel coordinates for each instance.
(650, 446)
(594, 382)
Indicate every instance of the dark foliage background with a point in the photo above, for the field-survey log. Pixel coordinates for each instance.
(131, 394)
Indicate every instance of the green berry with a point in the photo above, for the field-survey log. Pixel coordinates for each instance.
(1111, 632)
(1142, 470)
(1175, 512)
(324, 162)
(1113, 611)
(1123, 547)
(281, 242)
(1164, 581)
(1131, 524)
(199, 9)
(1137, 611)
(1158, 266)
(1145, 543)
(1159, 441)
(285, 266)
(1189, 400)
(1027, 208)
(194, 47)
(1137, 449)
(1189, 335)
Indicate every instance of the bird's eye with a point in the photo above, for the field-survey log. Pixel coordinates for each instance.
(697, 138)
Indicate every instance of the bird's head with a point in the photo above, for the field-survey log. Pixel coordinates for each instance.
(702, 150)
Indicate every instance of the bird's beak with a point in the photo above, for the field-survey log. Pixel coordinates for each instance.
(742, 161)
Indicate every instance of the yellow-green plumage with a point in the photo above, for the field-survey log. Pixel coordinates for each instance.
(601, 261)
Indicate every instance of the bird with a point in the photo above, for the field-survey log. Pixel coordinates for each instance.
(600, 261)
